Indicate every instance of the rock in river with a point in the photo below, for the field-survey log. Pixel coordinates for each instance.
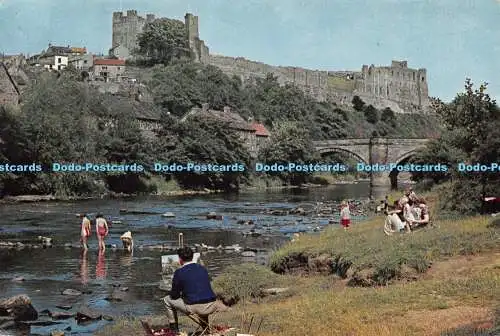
(61, 315)
(19, 307)
(86, 314)
(71, 292)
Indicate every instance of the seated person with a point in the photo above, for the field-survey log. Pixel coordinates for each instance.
(424, 218)
(408, 214)
(396, 216)
(410, 194)
(127, 241)
(191, 291)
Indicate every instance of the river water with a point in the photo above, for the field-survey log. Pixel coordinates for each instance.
(49, 271)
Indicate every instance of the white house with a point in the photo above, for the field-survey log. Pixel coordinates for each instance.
(57, 62)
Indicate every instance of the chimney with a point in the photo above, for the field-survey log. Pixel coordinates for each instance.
(204, 107)
(227, 109)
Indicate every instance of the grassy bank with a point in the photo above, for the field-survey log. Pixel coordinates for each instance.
(439, 281)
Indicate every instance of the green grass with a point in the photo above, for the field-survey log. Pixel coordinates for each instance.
(367, 248)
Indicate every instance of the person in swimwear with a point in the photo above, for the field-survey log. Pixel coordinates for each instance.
(85, 231)
(102, 230)
(127, 241)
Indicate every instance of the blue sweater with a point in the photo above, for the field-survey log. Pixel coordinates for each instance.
(192, 283)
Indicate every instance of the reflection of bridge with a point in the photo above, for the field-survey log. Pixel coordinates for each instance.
(373, 151)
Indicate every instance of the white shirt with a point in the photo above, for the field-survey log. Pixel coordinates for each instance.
(345, 213)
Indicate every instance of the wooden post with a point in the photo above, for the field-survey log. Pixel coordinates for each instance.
(181, 240)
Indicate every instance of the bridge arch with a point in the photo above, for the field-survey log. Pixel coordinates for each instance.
(406, 156)
(325, 151)
(393, 174)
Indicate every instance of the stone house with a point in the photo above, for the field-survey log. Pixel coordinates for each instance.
(9, 92)
(58, 57)
(246, 130)
(81, 62)
(261, 135)
(108, 69)
(120, 52)
(53, 62)
(147, 115)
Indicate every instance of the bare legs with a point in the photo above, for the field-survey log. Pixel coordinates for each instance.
(83, 240)
(102, 246)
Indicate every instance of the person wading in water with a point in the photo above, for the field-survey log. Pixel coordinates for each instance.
(102, 231)
(85, 231)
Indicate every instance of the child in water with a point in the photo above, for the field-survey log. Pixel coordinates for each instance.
(102, 231)
(85, 231)
(345, 215)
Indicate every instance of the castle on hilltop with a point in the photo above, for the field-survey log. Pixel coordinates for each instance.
(397, 86)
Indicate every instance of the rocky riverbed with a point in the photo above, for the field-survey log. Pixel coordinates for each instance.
(41, 256)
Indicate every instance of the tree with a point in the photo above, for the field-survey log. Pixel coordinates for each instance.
(357, 103)
(388, 116)
(371, 114)
(175, 87)
(204, 141)
(163, 40)
(58, 126)
(290, 143)
(471, 123)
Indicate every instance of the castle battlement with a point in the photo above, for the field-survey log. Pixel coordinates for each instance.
(397, 86)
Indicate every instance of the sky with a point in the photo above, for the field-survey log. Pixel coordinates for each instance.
(452, 39)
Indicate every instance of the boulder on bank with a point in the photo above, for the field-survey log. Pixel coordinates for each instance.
(19, 308)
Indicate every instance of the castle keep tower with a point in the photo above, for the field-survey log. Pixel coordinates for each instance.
(126, 28)
(397, 83)
(199, 49)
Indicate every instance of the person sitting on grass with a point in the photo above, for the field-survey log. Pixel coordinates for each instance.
(191, 291)
(424, 215)
(395, 217)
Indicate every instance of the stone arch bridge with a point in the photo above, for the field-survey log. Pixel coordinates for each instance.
(375, 150)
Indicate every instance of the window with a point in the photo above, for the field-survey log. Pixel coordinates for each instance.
(118, 68)
(59, 60)
(85, 62)
(423, 78)
(58, 67)
(413, 76)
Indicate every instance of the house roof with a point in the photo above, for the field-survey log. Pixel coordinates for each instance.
(53, 50)
(260, 129)
(109, 61)
(234, 120)
(141, 110)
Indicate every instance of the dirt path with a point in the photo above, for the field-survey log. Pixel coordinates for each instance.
(463, 266)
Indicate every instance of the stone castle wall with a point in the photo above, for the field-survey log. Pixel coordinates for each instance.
(402, 89)
(127, 27)
(398, 87)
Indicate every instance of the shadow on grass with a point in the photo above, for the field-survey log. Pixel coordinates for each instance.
(475, 331)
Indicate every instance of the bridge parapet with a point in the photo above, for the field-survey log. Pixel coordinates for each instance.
(373, 151)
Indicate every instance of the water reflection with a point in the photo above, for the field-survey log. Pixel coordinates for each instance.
(101, 270)
(84, 269)
(126, 259)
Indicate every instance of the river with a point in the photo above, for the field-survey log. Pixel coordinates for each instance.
(49, 271)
